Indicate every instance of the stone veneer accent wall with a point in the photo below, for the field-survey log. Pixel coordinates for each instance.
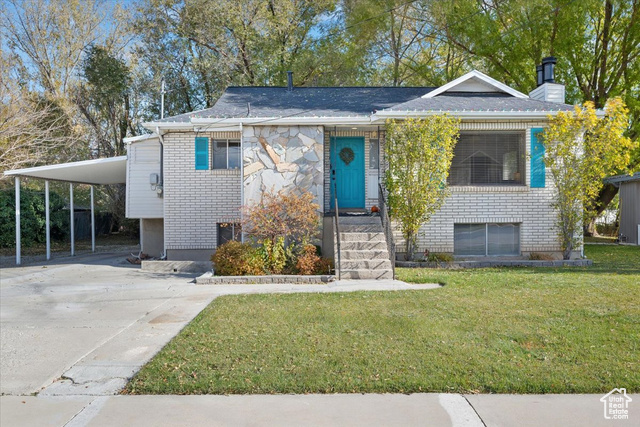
(288, 158)
(196, 200)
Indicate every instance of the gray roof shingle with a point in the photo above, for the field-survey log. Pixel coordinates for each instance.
(304, 102)
(263, 102)
(478, 101)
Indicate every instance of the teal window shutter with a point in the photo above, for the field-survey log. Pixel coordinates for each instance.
(537, 158)
(202, 153)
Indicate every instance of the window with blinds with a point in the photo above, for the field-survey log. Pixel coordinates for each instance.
(486, 239)
(496, 158)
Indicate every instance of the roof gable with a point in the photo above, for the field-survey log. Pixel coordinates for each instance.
(475, 81)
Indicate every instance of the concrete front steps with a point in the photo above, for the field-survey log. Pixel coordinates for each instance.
(363, 249)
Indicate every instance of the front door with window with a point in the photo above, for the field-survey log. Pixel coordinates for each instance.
(347, 162)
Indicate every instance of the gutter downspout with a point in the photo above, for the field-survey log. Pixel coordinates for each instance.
(161, 140)
(241, 180)
(164, 235)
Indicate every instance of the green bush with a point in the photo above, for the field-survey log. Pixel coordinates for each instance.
(32, 217)
(537, 256)
(440, 257)
(237, 259)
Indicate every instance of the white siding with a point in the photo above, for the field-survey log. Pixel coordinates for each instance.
(143, 160)
(550, 92)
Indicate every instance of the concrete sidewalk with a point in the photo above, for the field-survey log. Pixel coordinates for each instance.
(313, 410)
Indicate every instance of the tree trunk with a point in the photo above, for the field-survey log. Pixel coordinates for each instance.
(606, 195)
(408, 256)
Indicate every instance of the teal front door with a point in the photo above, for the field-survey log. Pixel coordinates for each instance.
(347, 175)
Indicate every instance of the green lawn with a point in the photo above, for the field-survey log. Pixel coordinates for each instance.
(518, 330)
(600, 239)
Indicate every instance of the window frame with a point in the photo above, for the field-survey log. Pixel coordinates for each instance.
(374, 154)
(227, 141)
(521, 163)
(486, 238)
(236, 232)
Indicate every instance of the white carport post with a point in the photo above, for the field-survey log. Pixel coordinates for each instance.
(46, 218)
(72, 214)
(93, 225)
(17, 220)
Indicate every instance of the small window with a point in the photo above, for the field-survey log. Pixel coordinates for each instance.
(374, 153)
(229, 231)
(486, 239)
(226, 154)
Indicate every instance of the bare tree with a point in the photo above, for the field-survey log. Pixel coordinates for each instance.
(33, 128)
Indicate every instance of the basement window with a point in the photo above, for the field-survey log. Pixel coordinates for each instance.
(228, 231)
(226, 154)
(486, 239)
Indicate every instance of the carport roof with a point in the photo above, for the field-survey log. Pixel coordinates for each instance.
(111, 170)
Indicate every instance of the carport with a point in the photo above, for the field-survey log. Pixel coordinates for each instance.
(112, 170)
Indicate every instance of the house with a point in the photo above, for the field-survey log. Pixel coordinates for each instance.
(188, 179)
(629, 194)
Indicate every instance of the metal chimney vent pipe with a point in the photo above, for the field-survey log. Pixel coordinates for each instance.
(539, 76)
(548, 66)
(289, 81)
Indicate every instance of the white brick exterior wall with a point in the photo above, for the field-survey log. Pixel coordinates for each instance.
(530, 207)
(196, 200)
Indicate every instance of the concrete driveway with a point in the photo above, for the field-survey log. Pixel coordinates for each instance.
(84, 325)
(93, 319)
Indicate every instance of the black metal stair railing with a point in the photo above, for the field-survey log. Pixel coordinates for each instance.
(388, 231)
(337, 229)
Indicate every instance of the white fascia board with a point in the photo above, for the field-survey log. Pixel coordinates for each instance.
(205, 128)
(487, 115)
(152, 126)
(476, 74)
(139, 138)
(266, 121)
(233, 124)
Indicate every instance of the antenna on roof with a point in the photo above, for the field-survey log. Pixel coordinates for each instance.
(162, 92)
